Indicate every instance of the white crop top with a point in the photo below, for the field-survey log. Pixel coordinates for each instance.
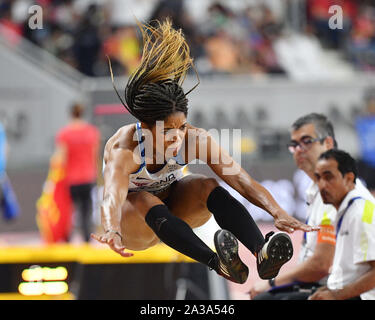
(143, 180)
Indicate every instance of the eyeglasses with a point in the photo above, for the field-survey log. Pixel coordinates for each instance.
(304, 144)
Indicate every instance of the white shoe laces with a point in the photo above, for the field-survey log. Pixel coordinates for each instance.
(224, 269)
(262, 255)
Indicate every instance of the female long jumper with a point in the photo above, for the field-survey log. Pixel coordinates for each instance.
(148, 197)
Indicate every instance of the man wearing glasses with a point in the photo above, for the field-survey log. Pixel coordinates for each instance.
(311, 135)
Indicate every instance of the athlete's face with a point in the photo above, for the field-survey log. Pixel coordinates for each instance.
(307, 148)
(333, 186)
(169, 134)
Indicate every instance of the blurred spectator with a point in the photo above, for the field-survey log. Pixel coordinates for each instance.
(8, 201)
(222, 52)
(361, 48)
(123, 47)
(77, 148)
(269, 28)
(365, 126)
(9, 29)
(87, 43)
(319, 15)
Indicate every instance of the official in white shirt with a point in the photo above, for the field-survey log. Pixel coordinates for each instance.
(353, 270)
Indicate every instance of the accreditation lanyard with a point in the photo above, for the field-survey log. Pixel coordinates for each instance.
(342, 217)
(304, 234)
(308, 218)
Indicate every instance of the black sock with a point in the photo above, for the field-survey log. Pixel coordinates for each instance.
(177, 234)
(231, 215)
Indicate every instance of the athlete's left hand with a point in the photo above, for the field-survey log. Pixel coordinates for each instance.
(114, 242)
(285, 222)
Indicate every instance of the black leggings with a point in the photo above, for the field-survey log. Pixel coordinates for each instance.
(81, 196)
(229, 213)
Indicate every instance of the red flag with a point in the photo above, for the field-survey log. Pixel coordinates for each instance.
(54, 207)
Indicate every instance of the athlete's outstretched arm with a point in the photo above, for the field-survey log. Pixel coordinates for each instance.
(116, 181)
(235, 176)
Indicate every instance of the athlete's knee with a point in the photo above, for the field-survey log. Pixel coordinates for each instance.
(208, 185)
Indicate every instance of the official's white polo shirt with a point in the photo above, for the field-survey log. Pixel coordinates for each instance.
(323, 215)
(355, 242)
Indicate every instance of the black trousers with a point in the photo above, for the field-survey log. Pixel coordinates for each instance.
(300, 291)
(293, 291)
(81, 196)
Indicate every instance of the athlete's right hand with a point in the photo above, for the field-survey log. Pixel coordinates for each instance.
(114, 242)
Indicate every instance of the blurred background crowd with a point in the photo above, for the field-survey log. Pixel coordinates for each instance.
(225, 36)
